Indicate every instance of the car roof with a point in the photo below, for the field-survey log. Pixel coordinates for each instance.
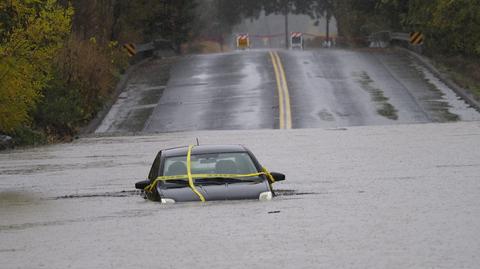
(203, 149)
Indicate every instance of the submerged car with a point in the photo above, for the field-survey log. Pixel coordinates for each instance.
(208, 173)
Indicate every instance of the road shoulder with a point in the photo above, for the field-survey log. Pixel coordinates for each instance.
(136, 94)
(463, 93)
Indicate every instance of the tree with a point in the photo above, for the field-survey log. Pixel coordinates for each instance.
(174, 21)
(33, 31)
(452, 27)
(320, 9)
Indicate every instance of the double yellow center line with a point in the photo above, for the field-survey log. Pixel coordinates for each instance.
(283, 95)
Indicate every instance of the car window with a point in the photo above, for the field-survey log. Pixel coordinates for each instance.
(215, 163)
(175, 166)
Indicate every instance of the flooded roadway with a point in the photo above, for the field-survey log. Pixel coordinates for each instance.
(367, 186)
(403, 196)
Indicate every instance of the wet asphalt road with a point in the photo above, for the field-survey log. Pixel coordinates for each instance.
(403, 196)
(217, 92)
(328, 88)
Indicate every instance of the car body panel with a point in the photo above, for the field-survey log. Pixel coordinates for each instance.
(226, 191)
(250, 189)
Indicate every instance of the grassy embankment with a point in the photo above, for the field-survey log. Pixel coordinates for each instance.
(464, 72)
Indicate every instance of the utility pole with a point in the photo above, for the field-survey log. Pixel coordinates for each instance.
(218, 26)
(328, 17)
(328, 28)
(286, 24)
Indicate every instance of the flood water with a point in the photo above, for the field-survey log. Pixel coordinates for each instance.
(381, 196)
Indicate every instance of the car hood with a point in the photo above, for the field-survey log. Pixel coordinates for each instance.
(225, 191)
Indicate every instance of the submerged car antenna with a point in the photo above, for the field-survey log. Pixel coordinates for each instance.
(198, 143)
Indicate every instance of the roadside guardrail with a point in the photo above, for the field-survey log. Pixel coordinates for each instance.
(413, 44)
(383, 39)
(157, 47)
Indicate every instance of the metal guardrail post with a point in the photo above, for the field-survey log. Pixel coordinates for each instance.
(380, 39)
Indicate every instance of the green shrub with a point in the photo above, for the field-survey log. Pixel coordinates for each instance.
(84, 77)
(60, 110)
(25, 135)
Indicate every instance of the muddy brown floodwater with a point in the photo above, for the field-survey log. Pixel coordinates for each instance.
(364, 197)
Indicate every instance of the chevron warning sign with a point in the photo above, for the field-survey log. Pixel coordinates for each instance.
(416, 38)
(131, 49)
(296, 34)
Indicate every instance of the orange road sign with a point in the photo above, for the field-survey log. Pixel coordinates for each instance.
(130, 48)
(416, 38)
(243, 41)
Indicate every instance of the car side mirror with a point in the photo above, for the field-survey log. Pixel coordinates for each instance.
(141, 185)
(278, 176)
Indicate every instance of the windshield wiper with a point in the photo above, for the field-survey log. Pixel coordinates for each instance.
(177, 182)
(223, 180)
(180, 183)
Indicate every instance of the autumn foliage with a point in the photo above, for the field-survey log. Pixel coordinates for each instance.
(84, 75)
(31, 35)
(60, 59)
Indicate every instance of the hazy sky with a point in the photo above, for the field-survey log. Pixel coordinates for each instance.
(275, 24)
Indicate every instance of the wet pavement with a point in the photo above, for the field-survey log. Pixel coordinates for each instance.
(231, 91)
(337, 88)
(328, 88)
(398, 196)
(143, 90)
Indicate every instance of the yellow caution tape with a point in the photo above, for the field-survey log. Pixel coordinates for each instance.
(269, 176)
(152, 186)
(176, 177)
(191, 177)
(189, 173)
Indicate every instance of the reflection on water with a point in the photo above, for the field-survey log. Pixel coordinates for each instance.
(17, 198)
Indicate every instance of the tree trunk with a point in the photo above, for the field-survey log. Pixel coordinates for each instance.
(327, 32)
(286, 26)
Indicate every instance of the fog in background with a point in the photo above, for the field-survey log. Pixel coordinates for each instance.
(272, 24)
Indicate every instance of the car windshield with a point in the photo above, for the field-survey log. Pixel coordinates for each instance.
(213, 163)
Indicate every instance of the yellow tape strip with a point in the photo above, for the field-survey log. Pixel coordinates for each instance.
(269, 176)
(152, 186)
(168, 178)
(189, 173)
